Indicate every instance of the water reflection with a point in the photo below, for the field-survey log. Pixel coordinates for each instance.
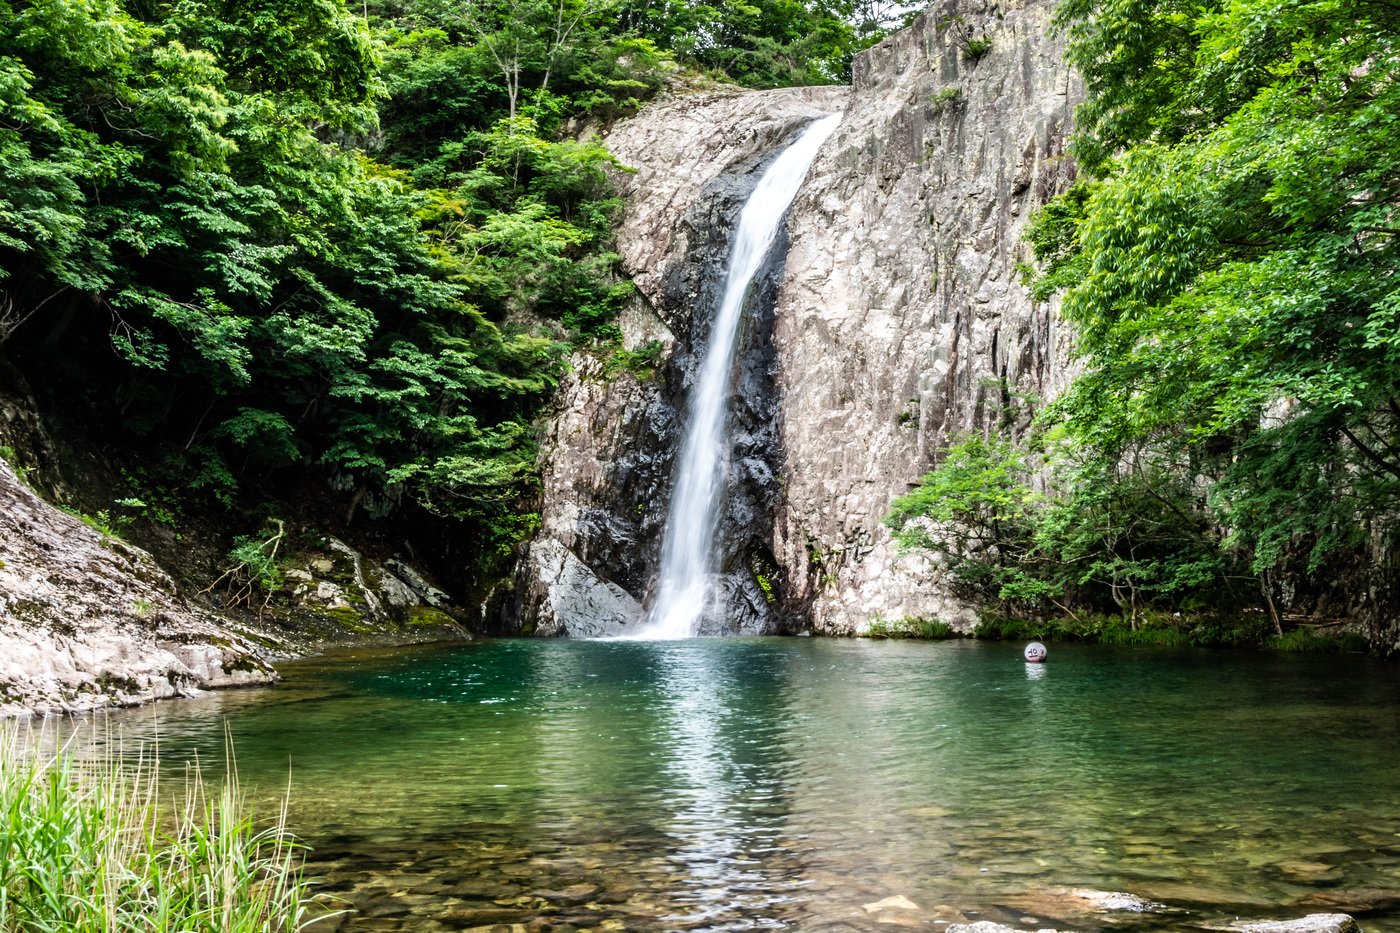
(724, 775)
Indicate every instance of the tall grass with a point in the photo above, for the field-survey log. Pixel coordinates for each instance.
(98, 847)
(908, 627)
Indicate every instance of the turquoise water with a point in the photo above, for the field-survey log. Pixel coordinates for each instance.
(794, 784)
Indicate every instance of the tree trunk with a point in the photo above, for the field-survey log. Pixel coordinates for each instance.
(1383, 605)
(1266, 583)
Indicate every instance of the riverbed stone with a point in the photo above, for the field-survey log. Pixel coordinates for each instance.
(1354, 900)
(1114, 901)
(987, 926)
(1312, 923)
(894, 902)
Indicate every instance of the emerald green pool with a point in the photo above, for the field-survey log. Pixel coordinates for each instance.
(785, 784)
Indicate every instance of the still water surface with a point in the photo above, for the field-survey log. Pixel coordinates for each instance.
(741, 784)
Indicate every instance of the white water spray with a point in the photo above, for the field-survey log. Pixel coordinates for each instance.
(684, 588)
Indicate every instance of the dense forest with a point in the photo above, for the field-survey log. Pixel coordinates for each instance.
(1229, 264)
(285, 250)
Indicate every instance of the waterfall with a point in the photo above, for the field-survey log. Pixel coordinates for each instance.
(684, 588)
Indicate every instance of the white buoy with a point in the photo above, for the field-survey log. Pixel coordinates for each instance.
(1035, 653)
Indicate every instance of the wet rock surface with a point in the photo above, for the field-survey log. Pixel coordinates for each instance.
(610, 446)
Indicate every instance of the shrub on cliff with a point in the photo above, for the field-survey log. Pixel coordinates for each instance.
(1133, 537)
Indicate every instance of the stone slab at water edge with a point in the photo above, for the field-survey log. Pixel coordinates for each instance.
(89, 621)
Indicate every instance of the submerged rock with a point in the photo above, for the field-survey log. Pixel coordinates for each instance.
(1354, 900)
(1312, 923)
(897, 902)
(1114, 900)
(987, 926)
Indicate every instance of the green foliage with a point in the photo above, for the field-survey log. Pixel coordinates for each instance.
(1134, 534)
(765, 584)
(1154, 629)
(282, 240)
(947, 97)
(256, 559)
(188, 179)
(972, 46)
(1309, 641)
(254, 568)
(1231, 269)
(102, 521)
(977, 47)
(8, 454)
(88, 846)
(909, 627)
(641, 362)
(766, 43)
(975, 511)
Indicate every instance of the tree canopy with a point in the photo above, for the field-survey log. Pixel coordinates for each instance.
(1231, 269)
(267, 241)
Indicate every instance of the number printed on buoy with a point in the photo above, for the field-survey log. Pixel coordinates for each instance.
(1035, 653)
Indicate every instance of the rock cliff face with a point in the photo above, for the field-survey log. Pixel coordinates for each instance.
(902, 321)
(890, 319)
(611, 445)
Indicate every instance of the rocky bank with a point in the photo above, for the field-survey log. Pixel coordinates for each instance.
(89, 620)
(890, 318)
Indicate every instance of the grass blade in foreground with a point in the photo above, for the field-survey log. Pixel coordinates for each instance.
(91, 846)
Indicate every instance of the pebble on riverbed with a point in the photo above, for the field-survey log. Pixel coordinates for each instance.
(1312, 923)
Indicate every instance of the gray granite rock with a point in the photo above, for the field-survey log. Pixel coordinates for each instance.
(573, 601)
(890, 320)
(902, 321)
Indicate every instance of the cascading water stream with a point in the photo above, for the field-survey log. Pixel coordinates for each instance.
(687, 554)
